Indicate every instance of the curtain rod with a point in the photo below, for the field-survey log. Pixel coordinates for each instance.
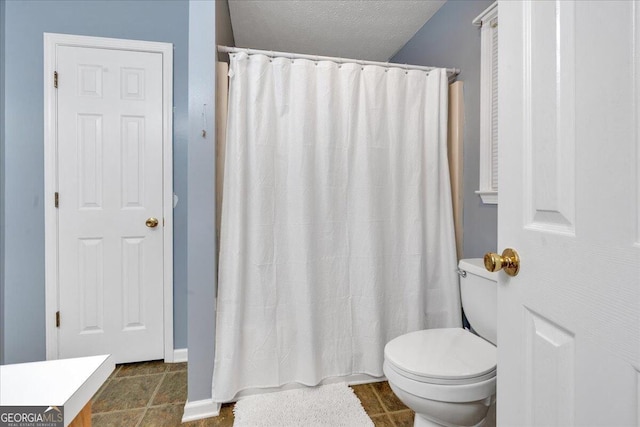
(451, 72)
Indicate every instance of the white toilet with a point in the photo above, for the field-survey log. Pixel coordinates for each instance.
(448, 376)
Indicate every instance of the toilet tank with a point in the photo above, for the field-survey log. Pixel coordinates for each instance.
(479, 293)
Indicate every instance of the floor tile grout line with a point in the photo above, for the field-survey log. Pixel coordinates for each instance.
(117, 411)
(155, 392)
(375, 392)
(167, 404)
(385, 415)
(153, 396)
(141, 375)
(367, 385)
(399, 411)
(100, 390)
(106, 383)
(384, 408)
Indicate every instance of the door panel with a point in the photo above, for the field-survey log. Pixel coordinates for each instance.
(550, 381)
(91, 293)
(569, 323)
(549, 134)
(110, 181)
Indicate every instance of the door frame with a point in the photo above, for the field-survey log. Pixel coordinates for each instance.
(51, 42)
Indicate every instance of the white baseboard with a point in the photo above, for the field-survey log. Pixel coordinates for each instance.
(179, 355)
(200, 409)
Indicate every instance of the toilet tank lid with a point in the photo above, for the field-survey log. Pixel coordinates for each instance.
(476, 266)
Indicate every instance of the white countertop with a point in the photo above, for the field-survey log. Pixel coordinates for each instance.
(65, 382)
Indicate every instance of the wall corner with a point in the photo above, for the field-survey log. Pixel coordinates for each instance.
(201, 244)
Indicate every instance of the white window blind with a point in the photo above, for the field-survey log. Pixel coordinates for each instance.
(488, 22)
(494, 104)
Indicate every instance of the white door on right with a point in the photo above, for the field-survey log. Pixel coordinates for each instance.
(569, 203)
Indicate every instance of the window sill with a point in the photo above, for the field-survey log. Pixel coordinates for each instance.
(488, 197)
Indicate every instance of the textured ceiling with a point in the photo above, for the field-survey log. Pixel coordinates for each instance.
(361, 29)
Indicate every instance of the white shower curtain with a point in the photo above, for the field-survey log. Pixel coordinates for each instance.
(337, 228)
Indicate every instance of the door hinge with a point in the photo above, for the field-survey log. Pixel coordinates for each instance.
(56, 199)
(57, 319)
(55, 79)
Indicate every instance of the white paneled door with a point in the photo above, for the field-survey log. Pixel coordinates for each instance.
(110, 183)
(569, 322)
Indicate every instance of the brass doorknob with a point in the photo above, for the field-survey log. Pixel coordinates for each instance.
(509, 261)
(151, 222)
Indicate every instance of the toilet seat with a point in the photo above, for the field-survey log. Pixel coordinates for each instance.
(443, 381)
(471, 392)
(448, 356)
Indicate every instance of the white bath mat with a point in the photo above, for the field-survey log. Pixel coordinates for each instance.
(325, 406)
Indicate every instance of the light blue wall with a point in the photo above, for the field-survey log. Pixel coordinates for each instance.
(26, 21)
(2, 204)
(202, 239)
(449, 39)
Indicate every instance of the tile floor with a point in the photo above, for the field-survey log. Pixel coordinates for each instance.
(152, 394)
(382, 406)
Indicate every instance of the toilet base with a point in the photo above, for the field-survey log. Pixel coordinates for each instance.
(434, 413)
(421, 421)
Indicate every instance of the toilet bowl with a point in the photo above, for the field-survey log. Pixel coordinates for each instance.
(448, 376)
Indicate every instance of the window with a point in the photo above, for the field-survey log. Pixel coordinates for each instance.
(488, 22)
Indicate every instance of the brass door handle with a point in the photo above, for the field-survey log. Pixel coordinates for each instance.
(151, 222)
(509, 261)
